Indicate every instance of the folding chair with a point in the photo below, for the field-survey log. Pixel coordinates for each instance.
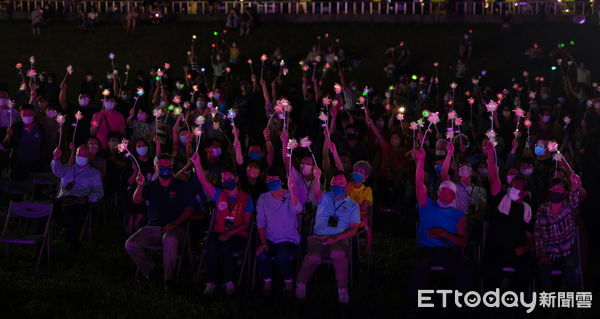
(29, 211)
(41, 182)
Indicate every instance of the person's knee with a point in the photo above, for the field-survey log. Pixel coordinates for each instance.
(337, 254)
(170, 240)
(131, 245)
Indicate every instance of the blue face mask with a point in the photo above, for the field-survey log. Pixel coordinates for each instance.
(254, 156)
(81, 161)
(165, 172)
(229, 184)
(357, 177)
(438, 169)
(183, 139)
(217, 96)
(540, 150)
(338, 191)
(274, 185)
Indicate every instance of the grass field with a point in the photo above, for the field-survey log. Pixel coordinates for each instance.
(101, 284)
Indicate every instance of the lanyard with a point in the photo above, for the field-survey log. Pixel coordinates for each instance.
(75, 175)
(335, 209)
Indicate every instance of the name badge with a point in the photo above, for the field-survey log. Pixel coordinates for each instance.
(333, 221)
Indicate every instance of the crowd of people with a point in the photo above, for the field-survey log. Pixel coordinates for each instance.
(493, 172)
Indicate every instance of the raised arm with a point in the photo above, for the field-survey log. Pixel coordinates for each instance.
(284, 143)
(419, 155)
(175, 135)
(493, 173)
(270, 148)
(208, 188)
(237, 146)
(316, 185)
(62, 96)
(447, 161)
(138, 196)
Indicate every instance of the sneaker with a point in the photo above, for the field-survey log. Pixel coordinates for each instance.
(210, 288)
(343, 297)
(229, 288)
(266, 289)
(300, 291)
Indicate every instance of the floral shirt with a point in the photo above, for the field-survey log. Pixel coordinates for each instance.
(555, 235)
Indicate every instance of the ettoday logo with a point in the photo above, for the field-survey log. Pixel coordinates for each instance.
(507, 299)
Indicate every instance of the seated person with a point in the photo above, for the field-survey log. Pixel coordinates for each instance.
(336, 221)
(442, 231)
(229, 233)
(277, 223)
(169, 205)
(362, 195)
(80, 185)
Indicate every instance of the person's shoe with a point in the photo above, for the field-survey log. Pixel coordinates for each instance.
(343, 297)
(229, 288)
(210, 288)
(288, 288)
(300, 291)
(266, 289)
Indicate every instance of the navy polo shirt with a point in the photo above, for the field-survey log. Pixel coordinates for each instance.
(165, 204)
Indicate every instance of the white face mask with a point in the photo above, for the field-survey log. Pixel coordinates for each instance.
(514, 194)
(84, 101)
(440, 153)
(81, 161)
(142, 150)
(306, 170)
(464, 171)
(27, 119)
(526, 171)
(109, 105)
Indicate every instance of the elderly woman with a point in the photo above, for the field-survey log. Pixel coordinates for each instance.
(362, 195)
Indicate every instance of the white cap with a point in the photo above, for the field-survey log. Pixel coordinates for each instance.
(448, 184)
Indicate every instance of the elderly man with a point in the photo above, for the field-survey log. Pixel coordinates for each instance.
(442, 230)
(336, 221)
(80, 185)
(169, 205)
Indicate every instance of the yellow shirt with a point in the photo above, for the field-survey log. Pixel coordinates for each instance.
(361, 194)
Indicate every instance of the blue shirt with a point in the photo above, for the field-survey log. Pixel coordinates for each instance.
(431, 215)
(279, 218)
(346, 210)
(85, 181)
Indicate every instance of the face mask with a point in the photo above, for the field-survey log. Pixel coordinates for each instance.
(142, 117)
(84, 102)
(162, 104)
(51, 113)
(540, 150)
(526, 171)
(109, 77)
(338, 191)
(229, 184)
(506, 114)
(442, 205)
(180, 86)
(555, 197)
(254, 156)
(200, 104)
(509, 178)
(482, 171)
(183, 139)
(3, 101)
(306, 170)
(438, 169)
(125, 97)
(217, 96)
(274, 185)
(216, 152)
(357, 177)
(464, 171)
(81, 161)
(388, 94)
(142, 150)
(545, 96)
(165, 172)
(351, 136)
(109, 105)
(440, 153)
(27, 119)
(546, 118)
(514, 194)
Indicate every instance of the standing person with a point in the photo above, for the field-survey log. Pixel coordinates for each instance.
(107, 121)
(131, 20)
(277, 223)
(25, 141)
(442, 230)
(37, 21)
(169, 205)
(229, 233)
(555, 235)
(80, 185)
(336, 222)
(510, 238)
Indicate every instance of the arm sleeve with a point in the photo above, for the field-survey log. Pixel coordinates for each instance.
(355, 218)
(58, 169)
(260, 217)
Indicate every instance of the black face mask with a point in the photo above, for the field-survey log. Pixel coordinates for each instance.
(555, 197)
(351, 136)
